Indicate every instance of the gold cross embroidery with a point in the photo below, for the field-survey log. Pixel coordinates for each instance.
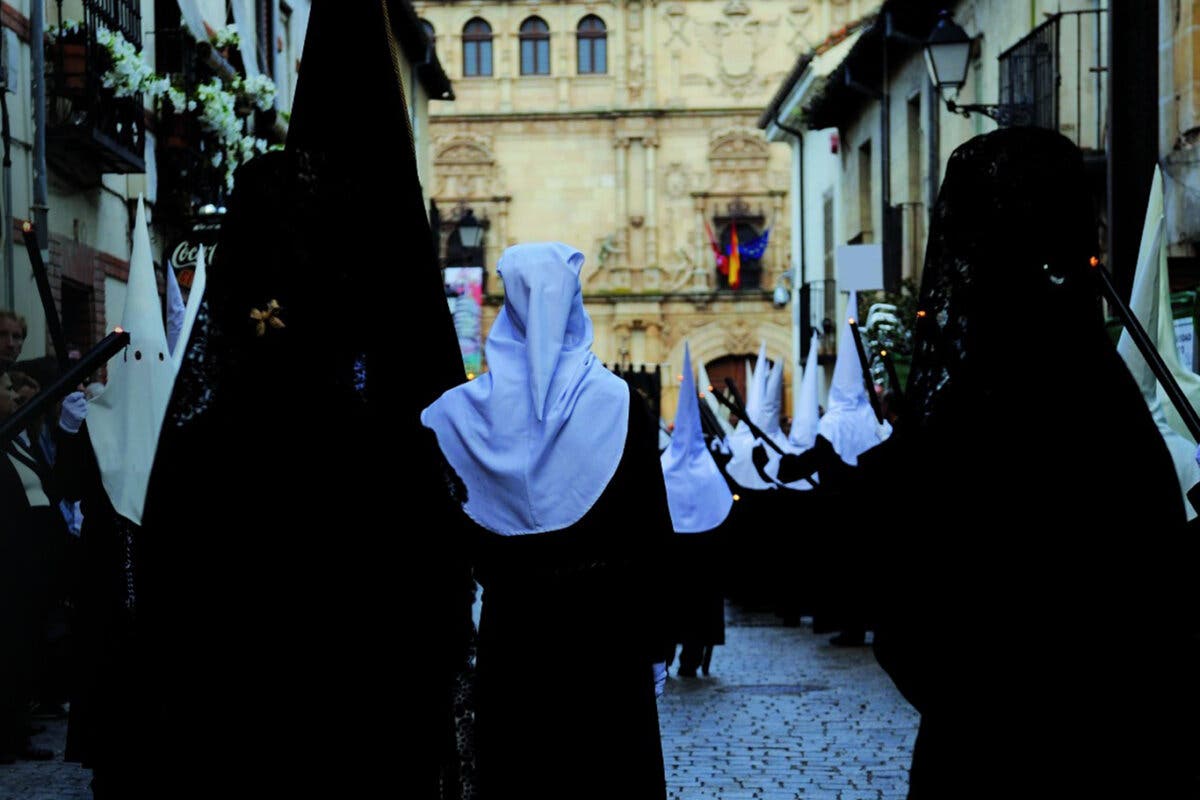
(267, 316)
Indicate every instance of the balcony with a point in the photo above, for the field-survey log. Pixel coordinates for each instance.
(1067, 95)
(90, 130)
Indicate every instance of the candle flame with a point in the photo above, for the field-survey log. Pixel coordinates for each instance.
(470, 376)
(883, 353)
(853, 321)
(679, 377)
(118, 329)
(921, 313)
(1094, 261)
(737, 497)
(26, 226)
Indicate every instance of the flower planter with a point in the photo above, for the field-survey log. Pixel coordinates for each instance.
(70, 62)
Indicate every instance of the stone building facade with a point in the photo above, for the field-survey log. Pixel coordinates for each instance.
(622, 127)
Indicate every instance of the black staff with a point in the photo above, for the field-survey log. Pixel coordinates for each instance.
(65, 384)
(53, 323)
(1157, 365)
(893, 382)
(866, 369)
(737, 407)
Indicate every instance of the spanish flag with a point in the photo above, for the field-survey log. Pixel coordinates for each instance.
(735, 260)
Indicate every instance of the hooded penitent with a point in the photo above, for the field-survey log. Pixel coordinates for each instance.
(1147, 303)
(719, 412)
(1034, 492)
(314, 348)
(697, 492)
(125, 420)
(806, 414)
(517, 434)
(849, 422)
(741, 468)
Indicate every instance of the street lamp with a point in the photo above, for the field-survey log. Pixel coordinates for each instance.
(470, 232)
(947, 53)
(947, 57)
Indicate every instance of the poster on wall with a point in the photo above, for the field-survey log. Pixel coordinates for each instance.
(464, 293)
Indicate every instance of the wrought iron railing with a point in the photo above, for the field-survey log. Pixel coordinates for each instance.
(90, 130)
(1039, 87)
(190, 176)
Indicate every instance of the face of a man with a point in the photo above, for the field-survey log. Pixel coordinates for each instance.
(12, 339)
(8, 398)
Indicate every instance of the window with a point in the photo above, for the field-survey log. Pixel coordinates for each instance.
(265, 30)
(477, 49)
(591, 43)
(864, 193)
(535, 47)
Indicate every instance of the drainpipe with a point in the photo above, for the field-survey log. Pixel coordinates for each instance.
(10, 289)
(799, 268)
(37, 29)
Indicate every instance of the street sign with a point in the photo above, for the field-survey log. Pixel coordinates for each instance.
(859, 267)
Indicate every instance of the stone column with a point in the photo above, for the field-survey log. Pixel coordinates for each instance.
(653, 276)
(650, 95)
(619, 271)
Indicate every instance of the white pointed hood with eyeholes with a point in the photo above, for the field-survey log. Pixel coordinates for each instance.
(698, 496)
(125, 419)
(537, 437)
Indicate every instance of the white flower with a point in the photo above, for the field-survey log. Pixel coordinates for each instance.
(226, 37)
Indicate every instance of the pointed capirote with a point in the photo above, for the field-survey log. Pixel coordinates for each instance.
(125, 419)
(697, 493)
(719, 411)
(175, 310)
(806, 414)
(195, 295)
(850, 423)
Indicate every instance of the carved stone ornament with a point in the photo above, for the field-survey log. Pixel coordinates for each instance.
(464, 166)
(739, 338)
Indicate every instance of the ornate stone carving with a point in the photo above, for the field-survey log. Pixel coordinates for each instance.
(637, 70)
(738, 158)
(465, 167)
(675, 180)
(739, 336)
(736, 39)
(677, 20)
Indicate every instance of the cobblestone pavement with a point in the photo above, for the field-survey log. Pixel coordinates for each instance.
(46, 780)
(786, 715)
(783, 715)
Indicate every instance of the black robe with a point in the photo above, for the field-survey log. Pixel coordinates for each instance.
(571, 625)
(311, 611)
(1030, 584)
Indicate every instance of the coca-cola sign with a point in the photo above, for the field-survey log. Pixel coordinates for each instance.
(183, 255)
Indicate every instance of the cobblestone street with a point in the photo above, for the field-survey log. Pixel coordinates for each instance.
(783, 715)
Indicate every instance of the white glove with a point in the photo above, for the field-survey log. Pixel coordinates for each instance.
(660, 678)
(74, 410)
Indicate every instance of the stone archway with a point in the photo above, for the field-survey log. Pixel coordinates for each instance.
(725, 337)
